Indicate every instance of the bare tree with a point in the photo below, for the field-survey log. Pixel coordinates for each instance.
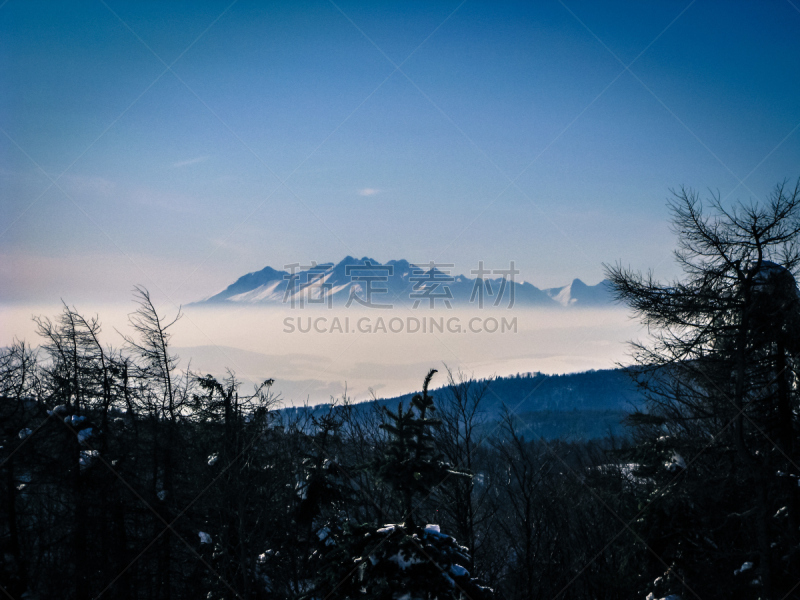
(156, 366)
(467, 500)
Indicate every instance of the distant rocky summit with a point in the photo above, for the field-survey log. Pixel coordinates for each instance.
(367, 282)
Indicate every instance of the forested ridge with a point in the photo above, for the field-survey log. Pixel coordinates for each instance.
(587, 405)
(603, 389)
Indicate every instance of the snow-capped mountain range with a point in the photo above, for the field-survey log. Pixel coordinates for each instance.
(358, 282)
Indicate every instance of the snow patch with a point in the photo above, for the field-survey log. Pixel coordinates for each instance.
(677, 462)
(87, 458)
(458, 571)
(402, 562)
(324, 534)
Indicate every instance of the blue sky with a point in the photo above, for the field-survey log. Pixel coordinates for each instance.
(180, 146)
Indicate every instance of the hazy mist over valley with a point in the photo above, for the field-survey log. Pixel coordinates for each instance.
(254, 343)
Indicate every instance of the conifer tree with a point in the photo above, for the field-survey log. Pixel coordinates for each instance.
(404, 560)
(411, 465)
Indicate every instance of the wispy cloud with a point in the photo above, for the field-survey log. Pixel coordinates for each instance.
(368, 192)
(191, 161)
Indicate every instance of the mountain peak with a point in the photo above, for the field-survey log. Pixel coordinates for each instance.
(350, 260)
(269, 287)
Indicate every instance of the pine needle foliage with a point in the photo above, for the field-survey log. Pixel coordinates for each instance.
(411, 465)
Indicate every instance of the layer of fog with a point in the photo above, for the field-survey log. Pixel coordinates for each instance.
(256, 344)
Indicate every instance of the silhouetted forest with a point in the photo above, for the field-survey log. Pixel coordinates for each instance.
(126, 478)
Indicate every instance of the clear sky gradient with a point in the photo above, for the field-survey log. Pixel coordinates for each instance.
(180, 146)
